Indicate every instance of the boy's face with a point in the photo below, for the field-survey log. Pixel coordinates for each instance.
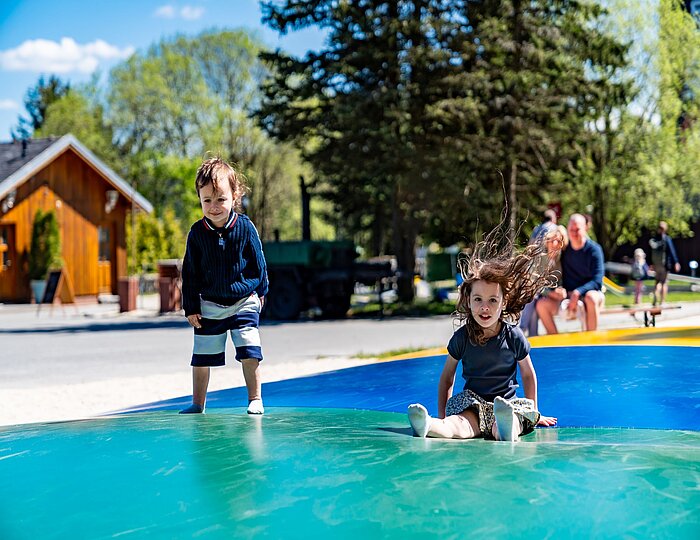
(216, 204)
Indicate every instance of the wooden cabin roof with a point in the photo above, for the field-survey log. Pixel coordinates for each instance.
(18, 163)
(13, 158)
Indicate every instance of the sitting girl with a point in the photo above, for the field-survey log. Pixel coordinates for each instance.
(497, 284)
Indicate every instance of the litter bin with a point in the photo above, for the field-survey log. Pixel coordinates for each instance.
(169, 283)
(128, 289)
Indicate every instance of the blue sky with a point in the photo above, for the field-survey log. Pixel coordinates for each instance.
(73, 38)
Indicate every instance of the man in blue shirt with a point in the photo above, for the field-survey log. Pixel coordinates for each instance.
(582, 269)
(664, 260)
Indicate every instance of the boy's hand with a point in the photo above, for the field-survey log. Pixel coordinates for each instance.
(262, 301)
(194, 320)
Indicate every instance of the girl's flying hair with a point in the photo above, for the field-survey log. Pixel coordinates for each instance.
(522, 275)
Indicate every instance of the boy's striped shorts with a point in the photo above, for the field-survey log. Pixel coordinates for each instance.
(241, 319)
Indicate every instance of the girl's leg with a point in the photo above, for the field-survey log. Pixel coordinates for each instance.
(638, 291)
(464, 425)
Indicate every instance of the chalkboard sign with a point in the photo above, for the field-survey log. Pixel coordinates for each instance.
(52, 282)
(58, 287)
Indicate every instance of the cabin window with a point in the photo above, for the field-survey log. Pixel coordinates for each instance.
(104, 251)
(4, 251)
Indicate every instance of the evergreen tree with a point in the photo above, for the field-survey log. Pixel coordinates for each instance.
(413, 107)
(36, 101)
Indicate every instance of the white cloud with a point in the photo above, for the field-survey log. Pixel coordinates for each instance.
(165, 12)
(189, 13)
(43, 55)
(8, 105)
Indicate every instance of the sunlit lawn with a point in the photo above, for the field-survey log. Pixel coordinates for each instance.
(683, 295)
(423, 308)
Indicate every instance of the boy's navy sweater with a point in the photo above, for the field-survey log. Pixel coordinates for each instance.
(222, 265)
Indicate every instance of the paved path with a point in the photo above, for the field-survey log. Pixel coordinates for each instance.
(70, 364)
(74, 363)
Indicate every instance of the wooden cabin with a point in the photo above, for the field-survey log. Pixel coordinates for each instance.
(92, 204)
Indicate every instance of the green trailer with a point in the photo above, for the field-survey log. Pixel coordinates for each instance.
(309, 274)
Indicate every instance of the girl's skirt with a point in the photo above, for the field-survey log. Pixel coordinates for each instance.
(523, 407)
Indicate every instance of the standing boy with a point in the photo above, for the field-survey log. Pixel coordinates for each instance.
(224, 282)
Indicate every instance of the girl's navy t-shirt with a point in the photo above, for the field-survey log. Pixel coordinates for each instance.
(490, 370)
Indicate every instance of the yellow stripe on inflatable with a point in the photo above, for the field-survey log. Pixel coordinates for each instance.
(683, 336)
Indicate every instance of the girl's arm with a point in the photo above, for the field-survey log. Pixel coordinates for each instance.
(447, 381)
(527, 372)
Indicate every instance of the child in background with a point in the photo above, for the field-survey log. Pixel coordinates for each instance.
(497, 284)
(224, 282)
(640, 272)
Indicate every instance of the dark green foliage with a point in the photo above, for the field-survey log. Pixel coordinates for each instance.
(413, 109)
(45, 250)
(36, 101)
(532, 87)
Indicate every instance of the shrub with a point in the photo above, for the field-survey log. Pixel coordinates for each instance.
(45, 250)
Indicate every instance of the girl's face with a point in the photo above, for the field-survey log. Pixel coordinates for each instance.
(554, 243)
(216, 204)
(486, 303)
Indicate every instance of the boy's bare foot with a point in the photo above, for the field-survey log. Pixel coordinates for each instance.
(507, 423)
(420, 419)
(256, 407)
(193, 409)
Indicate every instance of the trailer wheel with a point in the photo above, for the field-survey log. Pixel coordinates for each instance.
(284, 300)
(334, 307)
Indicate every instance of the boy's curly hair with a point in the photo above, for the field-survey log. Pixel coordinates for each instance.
(215, 170)
(521, 274)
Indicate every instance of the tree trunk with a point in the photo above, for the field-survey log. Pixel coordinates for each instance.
(404, 241)
(600, 225)
(512, 200)
(378, 239)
